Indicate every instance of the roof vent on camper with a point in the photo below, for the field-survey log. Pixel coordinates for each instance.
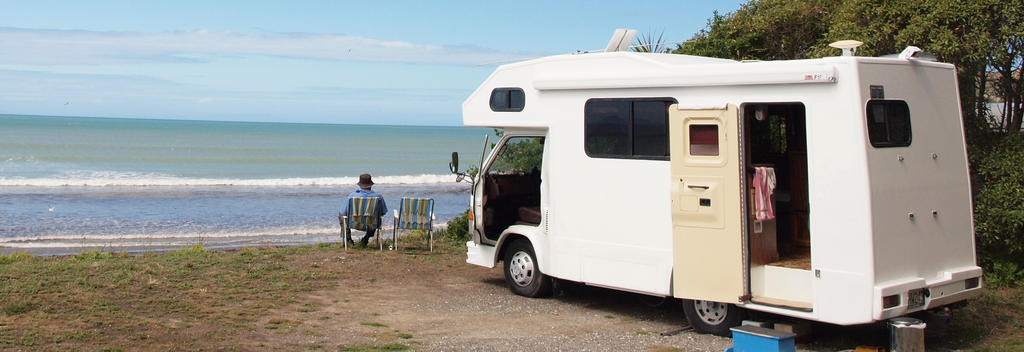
(621, 40)
(849, 46)
(913, 52)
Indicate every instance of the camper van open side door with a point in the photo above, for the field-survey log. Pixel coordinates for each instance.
(707, 241)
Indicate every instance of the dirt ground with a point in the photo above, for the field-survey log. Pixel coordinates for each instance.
(438, 302)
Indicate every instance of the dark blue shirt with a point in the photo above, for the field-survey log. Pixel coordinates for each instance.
(364, 193)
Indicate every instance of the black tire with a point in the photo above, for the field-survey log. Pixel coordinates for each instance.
(712, 317)
(522, 273)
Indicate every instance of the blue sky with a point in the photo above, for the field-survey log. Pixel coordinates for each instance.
(394, 62)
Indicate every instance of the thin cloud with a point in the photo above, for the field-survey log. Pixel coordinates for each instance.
(76, 47)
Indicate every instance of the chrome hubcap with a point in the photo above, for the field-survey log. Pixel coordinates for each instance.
(712, 313)
(521, 268)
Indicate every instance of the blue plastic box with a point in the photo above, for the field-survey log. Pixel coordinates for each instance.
(758, 339)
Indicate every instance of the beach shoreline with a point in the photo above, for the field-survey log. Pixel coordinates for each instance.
(138, 246)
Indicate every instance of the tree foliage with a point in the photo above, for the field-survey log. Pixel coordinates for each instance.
(981, 37)
(999, 205)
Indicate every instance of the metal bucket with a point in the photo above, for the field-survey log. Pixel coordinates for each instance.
(906, 335)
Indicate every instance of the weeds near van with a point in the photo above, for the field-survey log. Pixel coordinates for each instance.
(14, 257)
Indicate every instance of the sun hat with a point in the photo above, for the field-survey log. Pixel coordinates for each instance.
(365, 180)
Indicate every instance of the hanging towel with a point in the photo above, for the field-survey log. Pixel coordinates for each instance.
(764, 186)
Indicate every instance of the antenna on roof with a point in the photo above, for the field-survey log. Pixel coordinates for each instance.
(849, 46)
(620, 40)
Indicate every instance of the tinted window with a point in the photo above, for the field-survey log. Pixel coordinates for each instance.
(650, 137)
(888, 123)
(607, 127)
(627, 128)
(508, 99)
(704, 140)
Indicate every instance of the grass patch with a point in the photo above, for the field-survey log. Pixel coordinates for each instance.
(94, 255)
(375, 348)
(373, 324)
(278, 323)
(992, 322)
(18, 307)
(155, 301)
(14, 257)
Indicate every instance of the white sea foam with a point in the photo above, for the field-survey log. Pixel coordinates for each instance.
(164, 236)
(104, 179)
(66, 240)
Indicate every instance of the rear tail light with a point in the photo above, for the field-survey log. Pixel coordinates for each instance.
(890, 301)
(972, 283)
(469, 216)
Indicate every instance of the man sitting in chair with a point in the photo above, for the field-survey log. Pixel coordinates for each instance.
(365, 183)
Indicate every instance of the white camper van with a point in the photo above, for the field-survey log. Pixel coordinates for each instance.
(833, 189)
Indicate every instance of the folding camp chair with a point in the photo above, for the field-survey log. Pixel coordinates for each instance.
(415, 214)
(364, 213)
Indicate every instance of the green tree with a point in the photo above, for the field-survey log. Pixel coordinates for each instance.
(981, 37)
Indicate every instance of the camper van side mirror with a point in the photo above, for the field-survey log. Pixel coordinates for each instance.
(454, 164)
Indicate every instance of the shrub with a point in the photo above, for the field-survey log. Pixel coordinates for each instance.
(14, 257)
(999, 207)
(195, 250)
(458, 229)
(94, 255)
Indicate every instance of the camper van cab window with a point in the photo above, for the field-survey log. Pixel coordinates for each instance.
(888, 123)
(507, 99)
(627, 128)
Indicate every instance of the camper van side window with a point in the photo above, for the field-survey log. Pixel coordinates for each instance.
(507, 99)
(888, 123)
(627, 128)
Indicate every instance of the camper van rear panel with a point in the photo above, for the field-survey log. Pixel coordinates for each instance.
(920, 192)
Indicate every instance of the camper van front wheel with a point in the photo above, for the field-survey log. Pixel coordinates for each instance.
(522, 273)
(712, 317)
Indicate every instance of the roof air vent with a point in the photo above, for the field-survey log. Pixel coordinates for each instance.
(849, 46)
(621, 40)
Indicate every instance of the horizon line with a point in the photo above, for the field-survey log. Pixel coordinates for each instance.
(228, 121)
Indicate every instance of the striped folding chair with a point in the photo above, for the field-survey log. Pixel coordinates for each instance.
(415, 214)
(364, 213)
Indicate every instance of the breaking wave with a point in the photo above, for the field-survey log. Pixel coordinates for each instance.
(104, 179)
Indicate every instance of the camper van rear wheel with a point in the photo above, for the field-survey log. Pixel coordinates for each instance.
(522, 272)
(712, 317)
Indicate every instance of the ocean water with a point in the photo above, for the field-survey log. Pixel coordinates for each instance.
(69, 184)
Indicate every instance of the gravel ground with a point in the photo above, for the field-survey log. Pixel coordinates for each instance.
(437, 302)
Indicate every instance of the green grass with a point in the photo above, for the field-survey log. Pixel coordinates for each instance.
(151, 301)
(992, 322)
(373, 324)
(14, 257)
